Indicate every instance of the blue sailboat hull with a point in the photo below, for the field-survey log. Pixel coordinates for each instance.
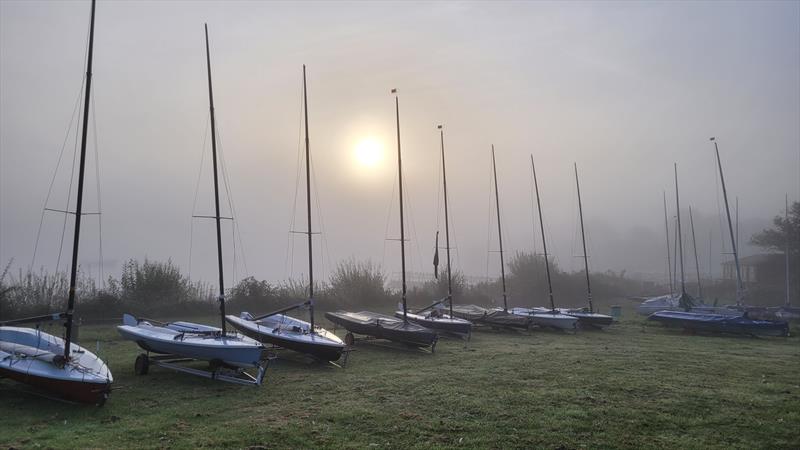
(719, 323)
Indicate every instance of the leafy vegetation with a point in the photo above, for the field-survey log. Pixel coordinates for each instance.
(631, 386)
(159, 289)
(786, 233)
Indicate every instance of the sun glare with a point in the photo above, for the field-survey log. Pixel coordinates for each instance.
(369, 152)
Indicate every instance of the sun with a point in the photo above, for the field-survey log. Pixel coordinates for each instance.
(368, 152)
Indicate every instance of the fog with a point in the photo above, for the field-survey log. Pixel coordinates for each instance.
(623, 89)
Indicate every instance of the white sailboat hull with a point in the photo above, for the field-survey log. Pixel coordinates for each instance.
(35, 357)
(546, 318)
(290, 333)
(194, 341)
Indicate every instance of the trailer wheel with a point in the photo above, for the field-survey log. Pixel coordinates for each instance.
(349, 339)
(142, 365)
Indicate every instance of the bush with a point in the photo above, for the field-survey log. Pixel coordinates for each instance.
(359, 283)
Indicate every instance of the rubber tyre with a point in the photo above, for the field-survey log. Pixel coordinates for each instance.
(142, 364)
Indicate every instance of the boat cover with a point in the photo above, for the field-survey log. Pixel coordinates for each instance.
(384, 327)
(490, 316)
(442, 322)
(721, 323)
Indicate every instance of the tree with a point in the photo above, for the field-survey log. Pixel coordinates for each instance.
(786, 231)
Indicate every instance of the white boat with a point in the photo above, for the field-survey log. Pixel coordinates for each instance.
(547, 318)
(278, 329)
(39, 359)
(660, 303)
(36, 358)
(191, 340)
(178, 341)
(290, 333)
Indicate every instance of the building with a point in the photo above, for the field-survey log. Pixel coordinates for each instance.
(763, 269)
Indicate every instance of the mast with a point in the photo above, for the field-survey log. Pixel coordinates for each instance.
(308, 208)
(696, 260)
(446, 227)
(79, 203)
(680, 235)
(499, 233)
(402, 225)
(669, 259)
(583, 239)
(730, 227)
(675, 253)
(216, 187)
(786, 219)
(544, 241)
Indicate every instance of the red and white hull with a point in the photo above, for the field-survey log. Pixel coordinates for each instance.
(35, 358)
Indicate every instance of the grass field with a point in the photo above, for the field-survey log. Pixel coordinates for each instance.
(632, 386)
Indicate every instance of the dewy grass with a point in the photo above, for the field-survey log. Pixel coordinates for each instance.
(631, 386)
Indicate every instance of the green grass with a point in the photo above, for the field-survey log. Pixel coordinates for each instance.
(632, 386)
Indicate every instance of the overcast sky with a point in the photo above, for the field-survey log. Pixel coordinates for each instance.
(623, 89)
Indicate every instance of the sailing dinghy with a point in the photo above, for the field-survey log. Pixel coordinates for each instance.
(229, 354)
(31, 356)
(381, 326)
(542, 317)
(587, 317)
(432, 317)
(278, 329)
(497, 318)
(694, 321)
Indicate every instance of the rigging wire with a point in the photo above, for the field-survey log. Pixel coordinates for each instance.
(489, 222)
(97, 182)
(388, 219)
(55, 171)
(413, 229)
(321, 221)
(196, 191)
(289, 264)
(74, 152)
(69, 194)
(232, 207)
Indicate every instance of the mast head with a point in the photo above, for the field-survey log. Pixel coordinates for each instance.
(394, 91)
(438, 127)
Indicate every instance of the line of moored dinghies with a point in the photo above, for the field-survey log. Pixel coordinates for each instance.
(62, 367)
(681, 310)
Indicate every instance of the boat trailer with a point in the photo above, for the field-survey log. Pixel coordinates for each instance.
(219, 371)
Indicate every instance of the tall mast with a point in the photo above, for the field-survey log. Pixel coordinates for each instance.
(308, 208)
(696, 261)
(675, 253)
(79, 204)
(216, 186)
(730, 227)
(446, 227)
(544, 241)
(788, 235)
(680, 236)
(499, 233)
(669, 251)
(402, 225)
(583, 239)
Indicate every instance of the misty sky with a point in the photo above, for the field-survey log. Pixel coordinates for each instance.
(623, 89)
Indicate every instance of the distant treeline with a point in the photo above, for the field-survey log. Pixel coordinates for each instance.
(159, 289)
